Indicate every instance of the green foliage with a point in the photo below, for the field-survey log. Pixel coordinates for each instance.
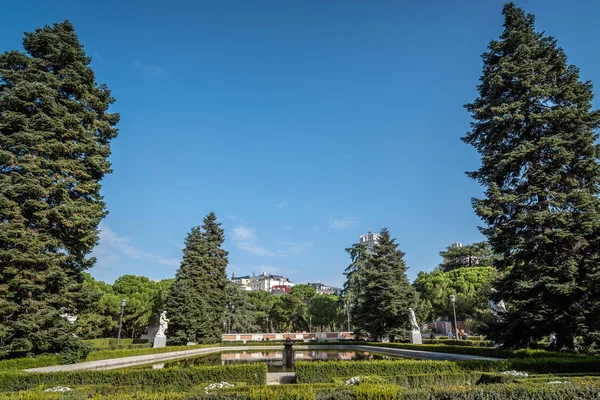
(295, 307)
(242, 317)
(108, 354)
(326, 312)
(55, 135)
(471, 286)
(456, 342)
(380, 289)
(196, 304)
(477, 254)
(534, 127)
(16, 364)
(255, 374)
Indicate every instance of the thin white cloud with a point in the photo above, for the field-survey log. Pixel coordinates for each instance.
(150, 71)
(286, 227)
(179, 245)
(245, 238)
(96, 57)
(297, 247)
(269, 269)
(316, 228)
(343, 223)
(282, 204)
(234, 218)
(112, 249)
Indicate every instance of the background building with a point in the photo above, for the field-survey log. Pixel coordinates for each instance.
(261, 282)
(370, 240)
(325, 289)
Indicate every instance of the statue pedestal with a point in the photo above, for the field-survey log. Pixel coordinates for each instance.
(415, 337)
(160, 341)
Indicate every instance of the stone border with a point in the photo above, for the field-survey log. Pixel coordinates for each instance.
(132, 361)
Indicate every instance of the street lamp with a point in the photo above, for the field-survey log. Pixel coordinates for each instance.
(347, 307)
(310, 324)
(453, 300)
(123, 303)
(230, 308)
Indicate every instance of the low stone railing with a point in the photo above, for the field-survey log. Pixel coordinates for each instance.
(304, 336)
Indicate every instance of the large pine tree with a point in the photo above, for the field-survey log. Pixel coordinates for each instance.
(55, 135)
(385, 294)
(196, 304)
(535, 130)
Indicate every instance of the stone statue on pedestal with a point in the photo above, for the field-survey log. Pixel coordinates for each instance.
(160, 340)
(497, 308)
(415, 330)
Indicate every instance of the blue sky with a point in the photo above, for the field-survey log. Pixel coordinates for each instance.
(300, 124)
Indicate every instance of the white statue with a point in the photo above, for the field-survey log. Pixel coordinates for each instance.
(414, 326)
(71, 318)
(497, 308)
(163, 324)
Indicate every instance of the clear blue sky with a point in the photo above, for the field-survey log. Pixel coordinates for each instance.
(300, 124)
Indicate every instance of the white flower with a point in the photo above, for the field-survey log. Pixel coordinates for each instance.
(220, 385)
(58, 389)
(355, 380)
(516, 373)
(555, 382)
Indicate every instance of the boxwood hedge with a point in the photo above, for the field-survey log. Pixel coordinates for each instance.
(255, 374)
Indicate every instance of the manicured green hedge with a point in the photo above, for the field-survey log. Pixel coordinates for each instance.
(476, 351)
(29, 362)
(580, 390)
(454, 342)
(112, 342)
(178, 377)
(109, 354)
(326, 371)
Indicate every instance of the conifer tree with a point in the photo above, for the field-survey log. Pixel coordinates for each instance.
(55, 135)
(535, 130)
(196, 304)
(385, 295)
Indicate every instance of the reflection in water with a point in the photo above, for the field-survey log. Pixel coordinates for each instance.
(273, 358)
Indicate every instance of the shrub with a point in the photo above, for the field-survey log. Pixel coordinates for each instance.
(454, 342)
(178, 377)
(108, 354)
(29, 362)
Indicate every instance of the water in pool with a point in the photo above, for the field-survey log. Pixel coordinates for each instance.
(273, 358)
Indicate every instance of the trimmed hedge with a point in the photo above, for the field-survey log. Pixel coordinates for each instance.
(454, 342)
(581, 390)
(112, 342)
(477, 351)
(16, 364)
(327, 371)
(109, 354)
(255, 374)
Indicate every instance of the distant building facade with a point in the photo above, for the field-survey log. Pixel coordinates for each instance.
(370, 240)
(280, 290)
(264, 282)
(324, 289)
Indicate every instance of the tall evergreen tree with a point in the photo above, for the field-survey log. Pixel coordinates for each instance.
(55, 135)
(385, 293)
(196, 304)
(535, 130)
(477, 254)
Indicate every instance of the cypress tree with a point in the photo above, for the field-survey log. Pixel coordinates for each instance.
(535, 130)
(196, 304)
(55, 135)
(385, 293)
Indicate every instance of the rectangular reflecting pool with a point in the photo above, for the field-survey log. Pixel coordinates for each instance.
(273, 358)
